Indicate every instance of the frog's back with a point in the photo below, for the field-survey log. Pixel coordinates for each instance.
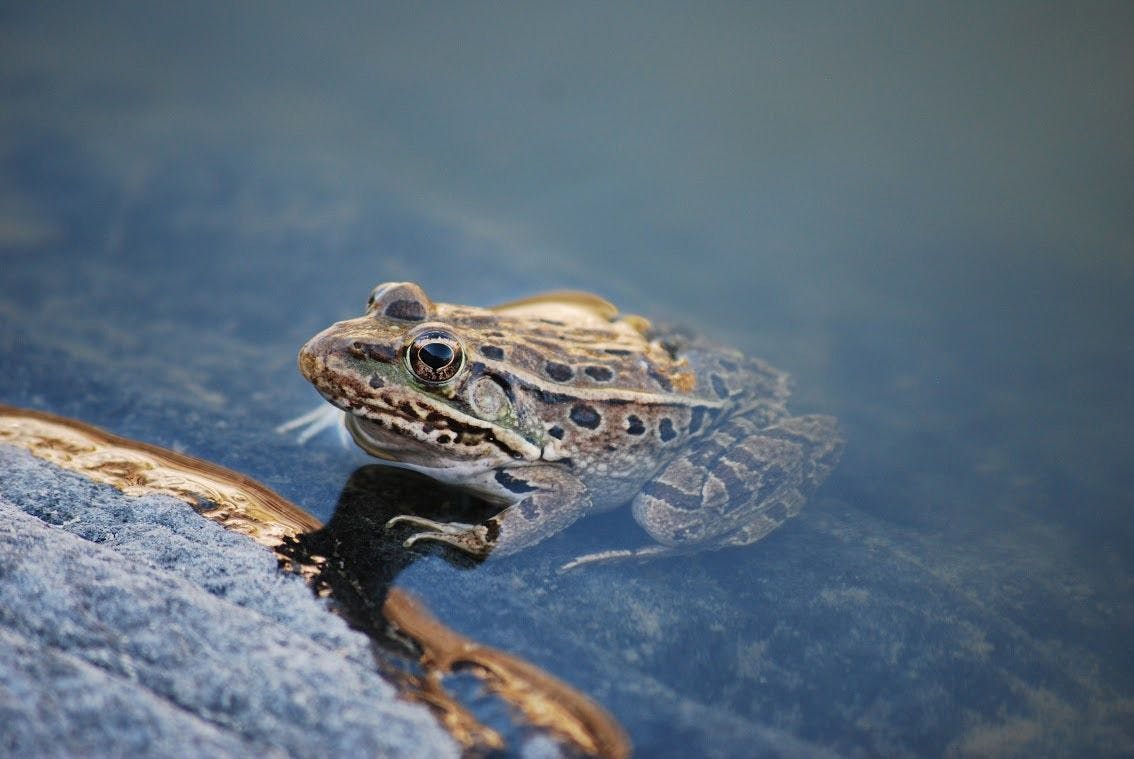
(727, 376)
(572, 349)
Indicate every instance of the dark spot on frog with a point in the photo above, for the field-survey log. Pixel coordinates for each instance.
(666, 431)
(405, 310)
(376, 381)
(556, 432)
(777, 512)
(771, 479)
(559, 372)
(719, 386)
(408, 409)
(492, 530)
(616, 351)
(634, 425)
(513, 484)
(671, 496)
(696, 418)
(529, 509)
(738, 491)
(444, 439)
(553, 322)
(373, 351)
(546, 396)
(585, 416)
(492, 352)
(599, 373)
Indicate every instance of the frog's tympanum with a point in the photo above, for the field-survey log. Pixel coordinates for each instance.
(557, 407)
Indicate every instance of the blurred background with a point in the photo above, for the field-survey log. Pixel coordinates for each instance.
(923, 212)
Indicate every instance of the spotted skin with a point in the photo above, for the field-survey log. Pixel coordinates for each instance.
(739, 483)
(558, 407)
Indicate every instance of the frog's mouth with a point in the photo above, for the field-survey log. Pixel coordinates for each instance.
(452, 444)
(399, 449)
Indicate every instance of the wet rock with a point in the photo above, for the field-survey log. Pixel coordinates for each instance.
(132, 625)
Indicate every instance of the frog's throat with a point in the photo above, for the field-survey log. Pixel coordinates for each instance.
(364, 441)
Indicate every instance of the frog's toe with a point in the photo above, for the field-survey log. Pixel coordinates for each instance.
(472, 539)
(448, 528)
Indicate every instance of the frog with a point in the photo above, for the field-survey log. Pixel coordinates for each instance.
(556, 407)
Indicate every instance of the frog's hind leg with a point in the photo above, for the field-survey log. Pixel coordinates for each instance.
(738, 484)
(732, 488)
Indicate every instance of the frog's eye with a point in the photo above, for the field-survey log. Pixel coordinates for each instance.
(435, 356)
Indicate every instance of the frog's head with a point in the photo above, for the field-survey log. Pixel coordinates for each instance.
(412, 391)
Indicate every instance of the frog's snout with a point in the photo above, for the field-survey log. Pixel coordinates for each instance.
(307, 361)
(315, 352)
(336, 346)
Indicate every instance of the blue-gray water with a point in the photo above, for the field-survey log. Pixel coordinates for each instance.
(923, 213)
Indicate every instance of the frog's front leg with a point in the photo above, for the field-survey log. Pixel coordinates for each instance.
(542, 501)
(732, 488)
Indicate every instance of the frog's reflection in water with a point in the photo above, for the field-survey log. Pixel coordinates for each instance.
(356, 558)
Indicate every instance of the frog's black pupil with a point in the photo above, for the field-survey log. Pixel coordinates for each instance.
(436, 355)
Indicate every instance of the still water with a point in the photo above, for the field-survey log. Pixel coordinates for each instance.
(922, 214)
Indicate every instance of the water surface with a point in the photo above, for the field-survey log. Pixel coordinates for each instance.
(922, 214)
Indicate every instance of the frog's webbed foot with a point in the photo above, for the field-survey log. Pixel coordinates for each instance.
(472, 539)
(322, 417)
(552, 499)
